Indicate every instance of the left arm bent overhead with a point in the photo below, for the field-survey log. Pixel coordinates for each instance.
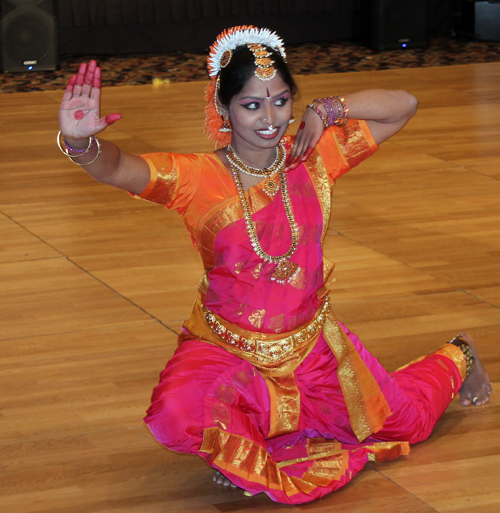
(385, 111)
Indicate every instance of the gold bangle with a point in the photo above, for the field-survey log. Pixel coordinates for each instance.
(345, 109)
(82, 153)
(94, 159)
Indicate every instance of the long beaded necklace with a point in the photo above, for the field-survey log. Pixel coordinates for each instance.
(286, 269)
(270, 184)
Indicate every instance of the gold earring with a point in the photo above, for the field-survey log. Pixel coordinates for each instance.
(291, 120)
(226, 126)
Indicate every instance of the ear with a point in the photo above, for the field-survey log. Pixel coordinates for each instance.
(224, 111)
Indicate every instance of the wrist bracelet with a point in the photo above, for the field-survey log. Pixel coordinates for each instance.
(79, 153)
(72, 157)
(345, 109)
(319, 113)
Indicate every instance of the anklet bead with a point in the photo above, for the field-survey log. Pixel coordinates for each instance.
(461, 343)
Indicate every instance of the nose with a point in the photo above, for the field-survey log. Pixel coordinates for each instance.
(268, 114)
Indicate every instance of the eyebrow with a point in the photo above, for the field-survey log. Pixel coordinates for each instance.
(265, 99)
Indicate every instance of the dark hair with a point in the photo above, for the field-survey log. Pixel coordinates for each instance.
(240, 69)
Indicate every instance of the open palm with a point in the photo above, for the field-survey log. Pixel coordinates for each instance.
(79, 114)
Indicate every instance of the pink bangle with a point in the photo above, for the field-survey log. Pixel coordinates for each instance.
(345, 108)
(319, 113)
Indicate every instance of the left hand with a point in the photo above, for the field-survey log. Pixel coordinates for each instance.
(310, 131)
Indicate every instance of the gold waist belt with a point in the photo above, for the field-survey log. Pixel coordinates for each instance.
(268, 348)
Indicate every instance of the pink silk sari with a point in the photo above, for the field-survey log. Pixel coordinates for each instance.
(289, 435)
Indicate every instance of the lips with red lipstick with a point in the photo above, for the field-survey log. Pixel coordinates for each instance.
(268, 133)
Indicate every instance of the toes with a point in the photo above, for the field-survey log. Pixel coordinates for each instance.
(465, 401)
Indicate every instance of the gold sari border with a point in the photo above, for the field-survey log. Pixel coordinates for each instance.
(385, 451)
(248, 460)
(284, 402)
(456, 355)
(366, 404)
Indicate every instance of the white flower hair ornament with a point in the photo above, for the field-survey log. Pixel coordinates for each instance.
(221, 51)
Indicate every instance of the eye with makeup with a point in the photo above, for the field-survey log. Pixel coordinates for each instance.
(255, 105)
(251, 105)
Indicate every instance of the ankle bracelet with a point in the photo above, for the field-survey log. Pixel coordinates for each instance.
(461, 343)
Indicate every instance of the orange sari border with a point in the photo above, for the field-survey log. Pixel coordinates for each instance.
(248, 460)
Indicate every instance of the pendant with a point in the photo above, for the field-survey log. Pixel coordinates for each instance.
(270, 187)
(285, 271)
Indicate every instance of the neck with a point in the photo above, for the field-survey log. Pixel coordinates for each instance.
(258, 159)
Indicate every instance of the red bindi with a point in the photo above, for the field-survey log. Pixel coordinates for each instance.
(268, 95)
(79, 115)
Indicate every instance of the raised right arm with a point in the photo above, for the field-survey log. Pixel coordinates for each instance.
(79, 120)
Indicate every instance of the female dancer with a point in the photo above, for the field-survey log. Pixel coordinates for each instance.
(266, 385)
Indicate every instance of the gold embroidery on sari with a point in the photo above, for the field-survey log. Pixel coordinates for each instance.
(329, 461)
(273, 354)
(456, 355)
(165, 186)
(257, 318)
(277, 323)
(245, 458)
(352, 142)
(256, 272)
(318, 173)
(323, 471)
(299, 281)
(285, 404)
(238, 267)
(217, 221)
(222, 216)
(366, 405)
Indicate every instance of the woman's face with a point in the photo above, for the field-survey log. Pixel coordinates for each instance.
(259, 114)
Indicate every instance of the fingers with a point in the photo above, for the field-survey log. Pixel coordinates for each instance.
(292, 162)
(111, 118)
(86, 78)
(106, 121)
(68, 93)
(89, 78)
(80, 78)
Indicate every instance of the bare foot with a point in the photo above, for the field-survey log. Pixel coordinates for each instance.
(476, 389)
(222, 480)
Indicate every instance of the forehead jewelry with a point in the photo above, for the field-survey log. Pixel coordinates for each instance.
(264, 68)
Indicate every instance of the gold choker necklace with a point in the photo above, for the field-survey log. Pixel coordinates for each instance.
(286, 269)
(270, 184)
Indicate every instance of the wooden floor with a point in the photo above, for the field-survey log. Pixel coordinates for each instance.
(95, 285)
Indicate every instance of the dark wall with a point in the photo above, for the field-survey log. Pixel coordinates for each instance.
(135, 26)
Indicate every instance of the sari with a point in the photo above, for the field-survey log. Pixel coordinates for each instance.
(266, 385)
